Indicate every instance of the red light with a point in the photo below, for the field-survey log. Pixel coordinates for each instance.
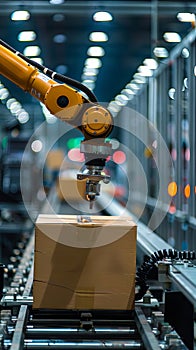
(119, 157)
(75, 155)
(172, 209)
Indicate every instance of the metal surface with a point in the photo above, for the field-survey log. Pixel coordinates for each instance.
(124, 7)
(45, 344)
(184, 278)
(148, 337)
(18, 337)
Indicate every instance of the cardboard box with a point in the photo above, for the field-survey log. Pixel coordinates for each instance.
(84, 265)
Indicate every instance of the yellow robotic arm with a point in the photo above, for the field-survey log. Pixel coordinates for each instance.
(67, 104)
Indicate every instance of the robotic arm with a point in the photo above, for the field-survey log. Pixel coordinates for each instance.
(69, 105)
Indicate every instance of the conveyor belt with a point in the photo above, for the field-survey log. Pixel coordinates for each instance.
(30, 329)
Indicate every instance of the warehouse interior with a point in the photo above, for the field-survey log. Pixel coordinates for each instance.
(97, 173)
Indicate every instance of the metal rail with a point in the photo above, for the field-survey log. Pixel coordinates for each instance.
(149, 242)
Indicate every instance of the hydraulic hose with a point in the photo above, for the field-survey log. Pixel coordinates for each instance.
(54, 75)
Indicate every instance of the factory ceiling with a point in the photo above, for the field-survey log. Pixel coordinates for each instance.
(62, 32)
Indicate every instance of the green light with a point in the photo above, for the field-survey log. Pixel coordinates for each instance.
(4, 142)
(74, 142)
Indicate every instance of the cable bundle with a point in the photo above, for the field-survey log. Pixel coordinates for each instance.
(150, 261)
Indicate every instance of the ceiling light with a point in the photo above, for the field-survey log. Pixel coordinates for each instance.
(134, 86)
(114, 107)
(96, 51)
(28, 35)
(59, 38)
(128, 92)
(171, 93)
(151, 63)
(9, 102)
(23, 117)
(160, 52)
(91, 77)
(122, 100)
(139, 79)
(38, 60)
(98, 36)
(36, 146)
(145, 71)
(15, 107)
(89, 73)
(32, 51)
(20, 16)
(90, 70)
(4, 93)
(89, 83)
(102, 16)
(93, 62)
(186, 17)
(56, 2)
(172, 37)
(185, 52)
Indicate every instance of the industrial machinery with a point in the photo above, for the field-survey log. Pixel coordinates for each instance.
(162, 319)
(171, 275)
(69, 105)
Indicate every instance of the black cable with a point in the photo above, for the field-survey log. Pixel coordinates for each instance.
(52, 74)
(150, 261)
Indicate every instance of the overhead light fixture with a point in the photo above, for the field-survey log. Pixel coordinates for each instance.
(102, 16)
(32, 51)
(150, 63)
(139, 79)
(186, 17)
(160, 52)
(145, 71)
(128, 92)
(171, 93)
(23, 117)
(133, 86)
(93, 62)
(28, 35)
(89, 83)
(114, 107)
(89, 77)
(90, 71)
(20, 16)
(96, 51)
(38, 60)
(121, 99)
(59, 38)
(15, 107)
(172, 37)
(4, 93)
(56, 2)
(98, 37)
(9, 102)
(37, 146)
(185, 52)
